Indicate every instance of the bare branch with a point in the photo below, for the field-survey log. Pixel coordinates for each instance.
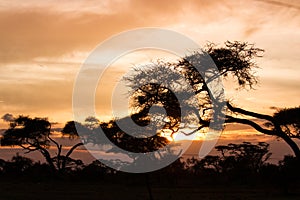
(249, 113)
(230, 119)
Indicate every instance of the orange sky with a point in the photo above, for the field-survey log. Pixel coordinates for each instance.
(44, 43)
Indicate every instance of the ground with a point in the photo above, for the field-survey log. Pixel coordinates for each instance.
(85, 190)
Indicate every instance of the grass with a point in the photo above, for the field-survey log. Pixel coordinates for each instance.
(68, 190)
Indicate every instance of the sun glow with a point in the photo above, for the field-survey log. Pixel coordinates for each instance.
(183, 135)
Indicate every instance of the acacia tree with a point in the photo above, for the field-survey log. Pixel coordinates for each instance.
(137, 141)
(34, 134)
(236, 61)
(233, 157)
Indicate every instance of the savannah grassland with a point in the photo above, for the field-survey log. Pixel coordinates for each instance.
(106, 190)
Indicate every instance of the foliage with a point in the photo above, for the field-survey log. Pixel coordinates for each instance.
(27, 131)
(289, 121)
(242, 163)
(34, 134)
(156, 84)
(236, 59)
(245, 157)
(129, 142)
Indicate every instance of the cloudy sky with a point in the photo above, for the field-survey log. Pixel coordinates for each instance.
(44, 43)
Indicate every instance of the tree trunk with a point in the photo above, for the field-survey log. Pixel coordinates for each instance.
(291, 143)
(148, 186)
(47, 156)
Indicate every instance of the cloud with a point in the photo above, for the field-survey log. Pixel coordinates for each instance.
(82, 6)
(31, 34)
(40, 41)
(43, 98)
(8, 117)
(42, 29)
(288, 4)
(32, 29)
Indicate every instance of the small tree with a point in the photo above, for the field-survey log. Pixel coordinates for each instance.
(18, 165)
(92, 122)
(34, 134)
(244, 156)
(234, 157)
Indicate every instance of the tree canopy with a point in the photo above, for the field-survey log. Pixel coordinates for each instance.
(235, 61)
(34, 134)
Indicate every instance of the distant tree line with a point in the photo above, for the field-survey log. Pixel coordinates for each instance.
(243, 163)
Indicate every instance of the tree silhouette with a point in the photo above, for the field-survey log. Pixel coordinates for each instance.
(281, 124)
(235, 60)
(245, 156)
(18, 165)
(289, 121)
(92, 122)
(34, 134)
(233, 158)
(133, 139)
(129, 142)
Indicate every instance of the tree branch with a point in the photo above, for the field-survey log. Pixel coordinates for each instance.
(56, 144)
(69, 153)
(230, 119)
(249, 113)
(73, 148)
(194, 131)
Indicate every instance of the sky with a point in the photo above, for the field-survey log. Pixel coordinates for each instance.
(44, 44)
